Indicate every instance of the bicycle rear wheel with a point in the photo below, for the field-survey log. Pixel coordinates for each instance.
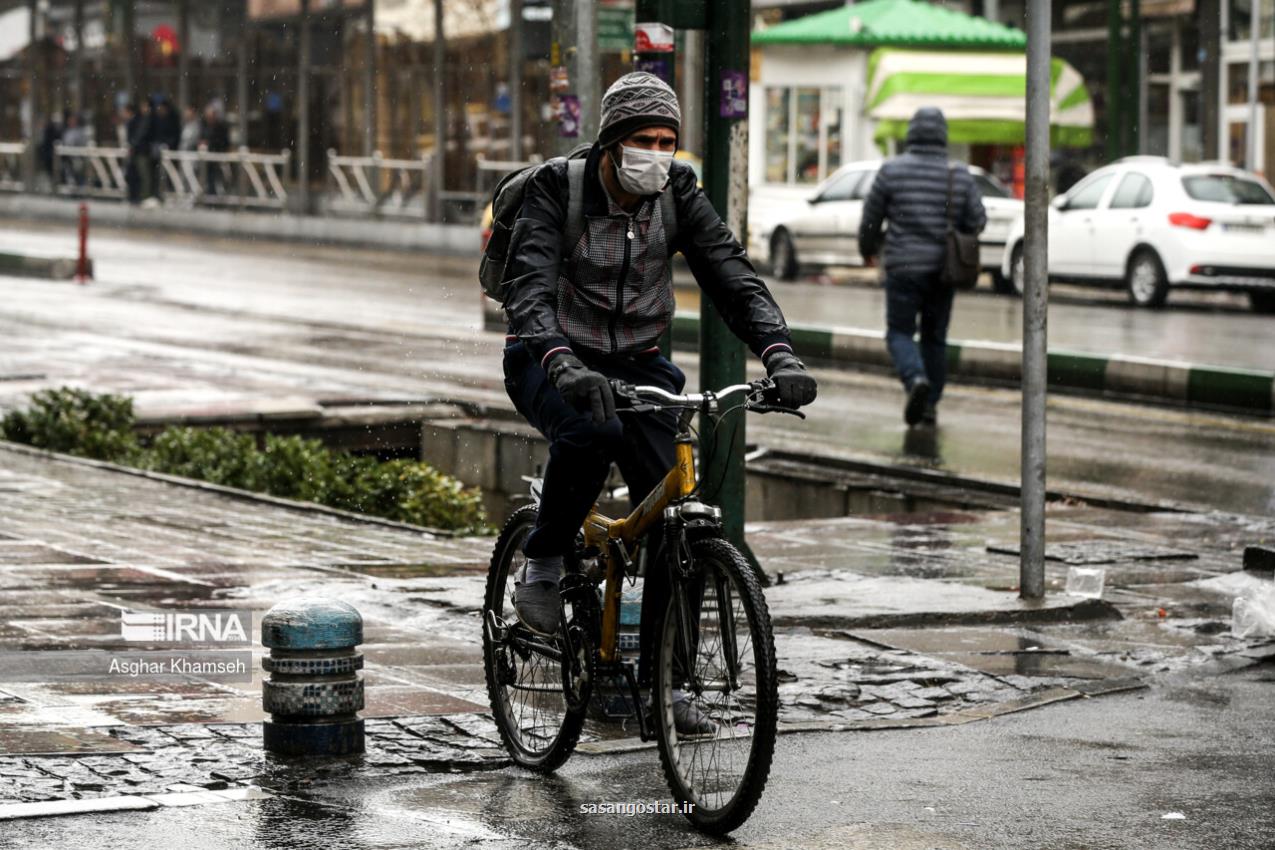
(528, 687)
(726, 669)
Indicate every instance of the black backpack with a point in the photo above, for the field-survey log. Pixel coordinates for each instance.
(506, 204)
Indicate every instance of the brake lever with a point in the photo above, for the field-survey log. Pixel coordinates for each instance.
(775, 408)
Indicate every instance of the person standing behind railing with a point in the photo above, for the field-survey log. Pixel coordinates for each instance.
(215, 139)
(75, 135)
(139, 175)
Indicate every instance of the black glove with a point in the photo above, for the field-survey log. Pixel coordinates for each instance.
(581, 387)
(793, 384)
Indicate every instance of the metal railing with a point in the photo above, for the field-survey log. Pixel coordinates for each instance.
(92, 171)
(12, 165)
(237, 179)
(374, 185)
(490, 171)
(187, 178)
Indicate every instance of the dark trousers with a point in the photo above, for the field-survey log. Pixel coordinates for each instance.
(581, 453)
(907, 297)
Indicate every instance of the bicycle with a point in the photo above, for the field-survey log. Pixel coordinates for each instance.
(714, 639)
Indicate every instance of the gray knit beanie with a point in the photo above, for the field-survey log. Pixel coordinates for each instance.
(637, 100)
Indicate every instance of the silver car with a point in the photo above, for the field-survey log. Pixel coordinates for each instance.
(826, 233)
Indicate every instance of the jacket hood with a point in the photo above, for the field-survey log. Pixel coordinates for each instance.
(927, 127)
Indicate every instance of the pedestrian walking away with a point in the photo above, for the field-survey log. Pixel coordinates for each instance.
(921, 194)
(583, 313)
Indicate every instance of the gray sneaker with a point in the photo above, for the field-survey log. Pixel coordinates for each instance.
(538, 605)
(689, 720)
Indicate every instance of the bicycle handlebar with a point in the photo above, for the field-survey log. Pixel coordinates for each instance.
(647, 398)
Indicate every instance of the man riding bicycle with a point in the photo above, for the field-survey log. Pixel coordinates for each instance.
(582, 314)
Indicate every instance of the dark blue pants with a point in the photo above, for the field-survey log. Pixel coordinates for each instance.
(908, 296)
(581, 453)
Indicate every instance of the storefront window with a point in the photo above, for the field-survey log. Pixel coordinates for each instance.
(777, 135)
(1237, 83)
(1239, 19)
(803, 134)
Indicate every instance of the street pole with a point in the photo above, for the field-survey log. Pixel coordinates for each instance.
(565, 39)
(721, 355)
(585, 73)
(440, 117)
(130, 55)
(33, 80)
(77, 61)
(1132, 112)
(690, 91)
(303, 109)
(183, 56)
(1035, 303)
(1115, 94)
(241, 78)
(1254, 39)
(369, 84)
(516, 50)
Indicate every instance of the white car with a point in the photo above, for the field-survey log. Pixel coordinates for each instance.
(826, 233)
(1149, 225)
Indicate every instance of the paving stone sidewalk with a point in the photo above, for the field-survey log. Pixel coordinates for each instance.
(861, 642)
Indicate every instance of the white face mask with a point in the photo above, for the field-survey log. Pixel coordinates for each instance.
(643, 172)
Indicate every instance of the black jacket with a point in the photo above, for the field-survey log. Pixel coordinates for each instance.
(533, 273)
(911, 191)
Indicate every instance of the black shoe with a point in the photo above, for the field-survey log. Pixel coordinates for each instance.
(918, 399)
(931, 416)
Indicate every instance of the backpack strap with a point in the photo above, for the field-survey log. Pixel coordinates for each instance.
(668, 212)
(574, 228)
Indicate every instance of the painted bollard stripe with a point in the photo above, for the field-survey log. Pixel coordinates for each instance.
(1188, 384)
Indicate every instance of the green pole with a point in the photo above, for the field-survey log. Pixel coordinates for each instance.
(1115, 58)
(1133, 88)
(721, 355)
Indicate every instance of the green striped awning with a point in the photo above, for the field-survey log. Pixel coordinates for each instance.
(983, 96)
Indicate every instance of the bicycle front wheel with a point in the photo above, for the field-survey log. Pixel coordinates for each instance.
(716, 656)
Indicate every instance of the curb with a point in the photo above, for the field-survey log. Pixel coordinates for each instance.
(456, 239)
(1140, 378)
(50, 268)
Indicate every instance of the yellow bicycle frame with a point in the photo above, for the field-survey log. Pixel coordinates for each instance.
(615, 538)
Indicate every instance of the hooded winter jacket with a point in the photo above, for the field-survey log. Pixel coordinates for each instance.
(612, 292)
(911, 192)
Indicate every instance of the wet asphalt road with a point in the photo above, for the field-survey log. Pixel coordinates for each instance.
(1098, 775)
(183, 319)
(1215, 328)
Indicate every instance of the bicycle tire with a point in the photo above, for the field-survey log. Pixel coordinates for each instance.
(516, 527)
(722, 555)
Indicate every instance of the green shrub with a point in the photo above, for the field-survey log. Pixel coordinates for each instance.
(217, 455)
(101, 427)
(76, 422)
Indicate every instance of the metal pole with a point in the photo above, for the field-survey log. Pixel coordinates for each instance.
(565, 39)
(586, 66)
(130, 54)
(516, 49)
(241, 81)
(303, 109)
(1254, 39)
(721, 355)
(183, 55)
(1112, 101)
(690, 92)
(369, 84)
(440, 116)
(77, 61)
(1132, 111)
(1035, 303)
(33, 80)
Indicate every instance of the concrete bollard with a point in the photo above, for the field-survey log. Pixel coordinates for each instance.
(314, 692)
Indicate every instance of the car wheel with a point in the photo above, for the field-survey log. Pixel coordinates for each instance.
(1145, 279)
(1016, 282)
(783, 259)
(1262, 302)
